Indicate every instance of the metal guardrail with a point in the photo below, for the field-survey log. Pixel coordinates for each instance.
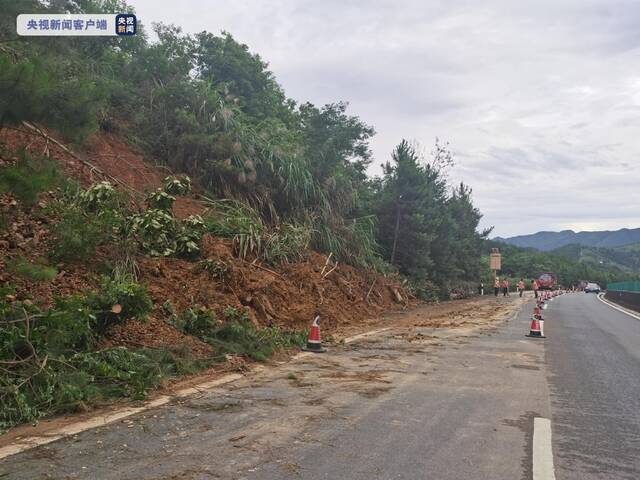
(626, 299)
(624, 287)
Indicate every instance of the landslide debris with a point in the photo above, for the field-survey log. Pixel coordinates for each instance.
(286, 295)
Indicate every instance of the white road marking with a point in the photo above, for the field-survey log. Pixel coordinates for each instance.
(620, 309)
(366, 334)
(542, 450)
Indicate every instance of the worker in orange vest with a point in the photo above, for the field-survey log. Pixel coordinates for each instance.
(521, 287)
(496, 287)
(505, 287)
(535, 287)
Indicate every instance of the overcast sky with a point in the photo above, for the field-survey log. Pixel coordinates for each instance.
(539, 99)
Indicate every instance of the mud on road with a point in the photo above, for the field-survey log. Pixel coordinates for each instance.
(232, 431)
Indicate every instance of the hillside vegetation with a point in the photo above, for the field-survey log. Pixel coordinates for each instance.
(206, 106)
(570, 266)
(625, 258)
(116, 274)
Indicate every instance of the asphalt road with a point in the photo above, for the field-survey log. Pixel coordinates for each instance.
(407, 404)
(470, 418)
(593, 364)
(414, 403)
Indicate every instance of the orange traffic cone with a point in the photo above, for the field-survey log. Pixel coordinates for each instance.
(314, 344)
(535, 331)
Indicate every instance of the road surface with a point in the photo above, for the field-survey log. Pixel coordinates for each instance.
(593, 364)
(409, 403)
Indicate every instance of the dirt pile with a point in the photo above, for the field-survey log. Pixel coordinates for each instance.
(154, 333)
(286, 296)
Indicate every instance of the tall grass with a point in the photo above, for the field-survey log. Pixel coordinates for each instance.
(351, 241)
(243, 224)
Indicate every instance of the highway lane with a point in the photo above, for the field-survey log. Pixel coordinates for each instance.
(407, 404)
(471, 417)
(592, 354)
(415, 403)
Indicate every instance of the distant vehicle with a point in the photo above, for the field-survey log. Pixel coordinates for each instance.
(547, 281)
(592, 288)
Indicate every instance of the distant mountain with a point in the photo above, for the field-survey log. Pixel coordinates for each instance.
(547, 241)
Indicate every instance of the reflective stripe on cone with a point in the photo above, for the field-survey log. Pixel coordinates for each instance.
(314, 344)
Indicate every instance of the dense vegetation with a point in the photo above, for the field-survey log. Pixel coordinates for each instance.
(51, 361)
(625, 258)
(205, 105)
(279, 178)
(528, 263)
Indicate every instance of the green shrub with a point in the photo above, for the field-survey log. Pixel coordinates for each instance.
(50, 364)
(76, 236)
(177, 185)
(87, 218)
(238, 336)
(99, 197)
(122, 291)
(194, 223)
(155, 231)
(198, 321)
(160, 234)
(188, 240)
(33, 271)
(29, 177)
(425, 290)
(215, 268)
(161, 200)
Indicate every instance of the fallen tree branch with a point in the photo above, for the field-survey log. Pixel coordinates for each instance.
(86, 163)
(334, 267)
(366, 299)
(326, 263)
(16, 362)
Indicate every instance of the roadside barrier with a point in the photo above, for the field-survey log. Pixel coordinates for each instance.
(537, 322)
(314, 344)
(535, 330)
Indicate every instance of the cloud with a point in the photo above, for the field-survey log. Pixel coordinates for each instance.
(540, 100)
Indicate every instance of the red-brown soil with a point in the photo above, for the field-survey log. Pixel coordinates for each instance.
(286, 295)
